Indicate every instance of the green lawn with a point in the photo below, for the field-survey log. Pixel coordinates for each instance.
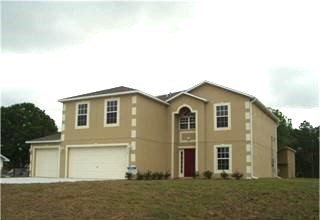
(160, 199)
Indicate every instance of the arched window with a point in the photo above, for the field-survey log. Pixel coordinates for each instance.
(186, 119)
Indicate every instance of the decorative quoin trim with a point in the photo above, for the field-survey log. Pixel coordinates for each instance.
(133, 129)
(248, 138)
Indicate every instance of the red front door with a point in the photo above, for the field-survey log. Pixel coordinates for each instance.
(189, 162)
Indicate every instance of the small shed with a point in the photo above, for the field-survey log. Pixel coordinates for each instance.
(286, 162)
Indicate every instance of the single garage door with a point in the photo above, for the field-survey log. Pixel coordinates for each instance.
(98, 162)
(47, 162)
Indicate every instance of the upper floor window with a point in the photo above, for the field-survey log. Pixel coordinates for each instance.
(82, 115)
(222, 116)
(187, 119)
(223, 158)
(112, 107)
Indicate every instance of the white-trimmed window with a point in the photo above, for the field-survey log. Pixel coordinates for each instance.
(111, 112)
(82, 115)
(187, 121)
(223, 158)
(222, 116)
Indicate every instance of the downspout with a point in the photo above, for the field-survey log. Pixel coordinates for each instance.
(251, 135)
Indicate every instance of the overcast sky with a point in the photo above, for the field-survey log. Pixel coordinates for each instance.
(269, 49)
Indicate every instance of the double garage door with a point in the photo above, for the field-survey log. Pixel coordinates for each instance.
(85, 162)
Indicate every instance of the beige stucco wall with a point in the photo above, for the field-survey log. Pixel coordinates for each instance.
(264, 143)
(235, 136)
(152, 146)
(97, 133)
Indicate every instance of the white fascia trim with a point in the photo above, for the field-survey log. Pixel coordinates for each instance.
(99, 145)
(152, 97)
(40, 142)
(105, 113)
(188, 94)
(97, 96)
(265, 109)
(220, 86)
(113, 94)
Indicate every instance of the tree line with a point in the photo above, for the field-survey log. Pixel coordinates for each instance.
(304, 140)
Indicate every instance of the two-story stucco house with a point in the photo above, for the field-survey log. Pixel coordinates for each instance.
(207, 127)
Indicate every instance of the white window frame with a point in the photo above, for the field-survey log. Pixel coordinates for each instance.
(105, 112)
(188, 123)
(181, 171)
(215, 116)
(76, 115)
(215, 158)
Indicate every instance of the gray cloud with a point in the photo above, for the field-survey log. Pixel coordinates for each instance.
(46, 25)
(293, 87)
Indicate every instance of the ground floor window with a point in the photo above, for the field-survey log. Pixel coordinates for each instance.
(223, 158)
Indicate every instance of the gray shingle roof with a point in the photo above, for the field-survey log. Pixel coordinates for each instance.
(106, 91)
(168, 96)
(52, 137)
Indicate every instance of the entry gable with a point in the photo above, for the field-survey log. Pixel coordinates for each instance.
(186, 94)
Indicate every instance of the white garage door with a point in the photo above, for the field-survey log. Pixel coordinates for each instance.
(98, 162)
(47, 162)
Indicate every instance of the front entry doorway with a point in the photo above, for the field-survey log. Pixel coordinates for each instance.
(186, 162)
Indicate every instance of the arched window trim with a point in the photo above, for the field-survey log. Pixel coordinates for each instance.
(187, 121)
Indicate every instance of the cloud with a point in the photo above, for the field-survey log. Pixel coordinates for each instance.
(294, 87)
(39, 26)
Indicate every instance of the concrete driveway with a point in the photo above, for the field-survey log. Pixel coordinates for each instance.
(28, 180)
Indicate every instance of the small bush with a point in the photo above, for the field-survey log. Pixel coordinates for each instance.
(167, 174)
(160, 175)
(195, 175)
(129, 176)
(237, 175)
(155, 176)
(224, 175)
(148, 175)
(207, 174)
(140, 176)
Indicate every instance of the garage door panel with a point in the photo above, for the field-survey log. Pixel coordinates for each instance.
(47, 162)
(98, 162)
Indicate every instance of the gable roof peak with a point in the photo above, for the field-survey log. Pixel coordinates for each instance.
(222, 87)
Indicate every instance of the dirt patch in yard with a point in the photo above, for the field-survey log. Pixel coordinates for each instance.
(172, 199)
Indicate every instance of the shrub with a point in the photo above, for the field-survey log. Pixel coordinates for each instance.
(140, 176)
(160, 175)
(195, 175)
(224, 175)
(155, 175)
(148, 175)
(129, 176)
(207, 174)
(167, 174)
(237, 175)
